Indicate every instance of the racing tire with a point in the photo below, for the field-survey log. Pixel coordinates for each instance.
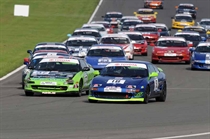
(162, 97)
(23, 85)
(161, 7)
(146, 95)
(92, 101)
(187, 62)
(79, 94)
(29, 93)
(144, 54)
(154, 61)
(87, 92)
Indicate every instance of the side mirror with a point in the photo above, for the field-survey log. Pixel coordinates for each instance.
(96, 73)
(26, 61)
(86, 69)
(156, 13)
(192, 49)
(153, 74)
(176, 7)
(152, 44)
(161, 70)
(135, 13)
(82, 54)
(29, 51)
(190, 44)
(69, 35)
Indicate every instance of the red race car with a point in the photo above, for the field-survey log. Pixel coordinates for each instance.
(154, 4)
(171, 49)
(149, 31)
(138, 41)
(146, 15)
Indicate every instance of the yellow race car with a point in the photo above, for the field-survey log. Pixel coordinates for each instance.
(179, 21)
(146, 15)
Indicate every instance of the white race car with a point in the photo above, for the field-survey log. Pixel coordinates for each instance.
(99, 27)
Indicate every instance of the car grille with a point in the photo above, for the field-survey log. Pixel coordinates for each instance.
(48, 87)
(112, 95)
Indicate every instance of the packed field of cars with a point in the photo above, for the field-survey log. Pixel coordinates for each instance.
(99, 57)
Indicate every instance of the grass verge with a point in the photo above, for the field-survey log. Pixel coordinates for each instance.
(48, 21)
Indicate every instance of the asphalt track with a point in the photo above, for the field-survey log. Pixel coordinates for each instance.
(186, 111)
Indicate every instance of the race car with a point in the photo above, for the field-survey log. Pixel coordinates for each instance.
(128, 18)
(112, 16)
(31, 63)
(187, 8)
(86, 32)
(201, 56)
(99, 27)
(198, 29)
(100, 55)
(49, 47)
(128, 25)
(171, 49)
(190, 36)
(123, 81)
(149, 31)
(205, 23)
(79, 45)
(59, 75)
(163, 29)
(146, 15)
(120, 40)
(154, 4)
(106, 24)
(139, 43)
(179, 21)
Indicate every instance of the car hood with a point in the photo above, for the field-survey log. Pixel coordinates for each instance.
(52, 74)
(201, 56)
(172, 49)
(123, 81)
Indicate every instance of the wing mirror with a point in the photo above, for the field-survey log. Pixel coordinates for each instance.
(26, 61)
(29, 51)
(203, 39)
(172, 17)
(196, 8)
(176, 7)
(198, 23)
(156, 13)
(153, 74)
(86, 69)
(96, 73)
(192, 49)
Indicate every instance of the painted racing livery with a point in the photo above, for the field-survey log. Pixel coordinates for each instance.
(129, 81)
(154, 4)
(146, 15)
(179, 21)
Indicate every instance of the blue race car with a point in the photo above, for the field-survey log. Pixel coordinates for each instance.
(100, 55)
(122, 81)
(201, 56)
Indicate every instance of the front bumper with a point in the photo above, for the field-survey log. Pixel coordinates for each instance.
(149, 20)
(176, 58)
(180, 26)
(117, 100)
(200, 65)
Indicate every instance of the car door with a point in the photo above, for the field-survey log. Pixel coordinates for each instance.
(153, 81)
(84, 73)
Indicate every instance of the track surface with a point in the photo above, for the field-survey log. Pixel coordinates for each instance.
(186, 111)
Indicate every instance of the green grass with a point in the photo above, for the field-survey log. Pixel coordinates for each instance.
(48, 21)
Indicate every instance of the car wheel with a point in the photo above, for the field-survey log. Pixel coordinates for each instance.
(92, 101)
(154, 61)
(162, 97)
(187, 62)
(79, 94)
(87, 92)
(23, 85)
(146, 95)
(144, 54)
(29, 93)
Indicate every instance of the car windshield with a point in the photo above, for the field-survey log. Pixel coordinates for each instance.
(50, 48)
(124, 71)
(81, 42)
(106, 53)
(183, 18)
(58, 66)
(186, 7)
(113, 16)
(96, 27)
(87, 33)
(205, 23)
(162, 28)
(199, 30)
(135, 37)
(131, 23)
(203, 49)
(172, 43)
(115, 40)
(128, 18)
(146, 29)
(190, 37)
(34, 62)
(146, 12)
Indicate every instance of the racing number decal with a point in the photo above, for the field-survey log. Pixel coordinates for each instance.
(116, 81)
(85, 78)
(156, 84)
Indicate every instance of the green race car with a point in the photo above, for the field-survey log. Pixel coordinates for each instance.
(59, 75)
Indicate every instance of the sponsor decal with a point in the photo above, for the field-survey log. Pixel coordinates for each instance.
(114, 81)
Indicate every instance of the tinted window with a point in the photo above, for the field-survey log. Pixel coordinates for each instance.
(190, 37)
(113, 16)
(146, 29)
(199, 30)
(96, 27)
(131, 23)
(151, 68)
(171, 43)
(184, 18)
(81, 42)
(205, 23)
(203, 49)
(106, 53)
(115, 40)
(186, 7)
(135, 37)
(87, 33)
(146, 12)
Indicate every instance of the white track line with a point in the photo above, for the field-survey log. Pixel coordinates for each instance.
(21, 67)
(184, 136)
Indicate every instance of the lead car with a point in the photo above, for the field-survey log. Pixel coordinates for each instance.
(129, 81)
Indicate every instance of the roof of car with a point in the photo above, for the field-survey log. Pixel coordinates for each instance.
(194, 27)
(205, 19)
(146, 25)
(171, 38)
(131, 20)
(72, 60)
(145, 9)
(55, 46)
(50, 54)
(113, 12)
(186, 4)
(86, 29)
(115, 35)
(185, 14)
(130, 32)
(159, 24)
(188, 32)
(103, 22)
(50, 43)
(82, 38)
(204, 44)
